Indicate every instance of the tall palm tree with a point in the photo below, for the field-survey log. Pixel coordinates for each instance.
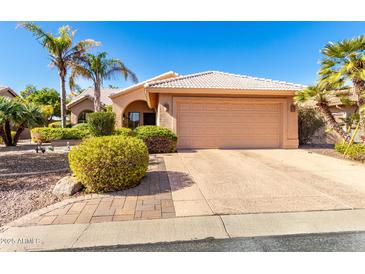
(17, 115)
(319, 95)
(62, 52)
(345, 61)
(98, 68)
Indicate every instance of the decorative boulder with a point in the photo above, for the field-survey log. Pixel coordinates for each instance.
(67, 186)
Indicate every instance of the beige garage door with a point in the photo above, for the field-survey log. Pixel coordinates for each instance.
(237, 123)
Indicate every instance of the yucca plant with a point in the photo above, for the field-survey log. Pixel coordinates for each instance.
(345, 61)
(319, 95)
(62, 52)
(98, 68)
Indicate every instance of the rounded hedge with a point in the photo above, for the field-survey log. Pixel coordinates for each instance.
(109, 163)
(157, 139)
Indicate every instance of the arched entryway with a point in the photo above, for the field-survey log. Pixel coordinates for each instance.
(82, 116)
(138, 113)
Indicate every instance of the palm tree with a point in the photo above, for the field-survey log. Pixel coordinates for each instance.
(62, 52)
(99, 68)
(345, 61)
(17, 115)
(318, 94)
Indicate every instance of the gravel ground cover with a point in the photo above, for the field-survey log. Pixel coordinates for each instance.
(327, 150)
(21, 194)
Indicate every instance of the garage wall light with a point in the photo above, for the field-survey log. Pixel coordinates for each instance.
(293, 108)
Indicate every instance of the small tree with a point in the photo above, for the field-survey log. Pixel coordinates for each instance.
(17, 115)
(48, 99)
(345, 61)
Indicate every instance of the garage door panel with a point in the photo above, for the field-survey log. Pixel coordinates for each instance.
(231, 142)
(195, 117)
(234, 130)
(218, 124)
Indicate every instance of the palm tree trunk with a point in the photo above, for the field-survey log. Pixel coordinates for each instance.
(331, 122)
(3, 135)
(63, 98)
(359, 86)
(17, 134)
(97, 103)
(9, 139)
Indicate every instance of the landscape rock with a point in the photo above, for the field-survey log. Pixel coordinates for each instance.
(67, 186)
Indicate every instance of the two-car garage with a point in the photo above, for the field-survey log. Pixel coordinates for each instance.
(229, 123)
(220, 110)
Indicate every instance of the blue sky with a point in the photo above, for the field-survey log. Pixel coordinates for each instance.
(287, 51)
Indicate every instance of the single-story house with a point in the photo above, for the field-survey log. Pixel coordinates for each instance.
(7, 92)
(206, 110)
(214, 109)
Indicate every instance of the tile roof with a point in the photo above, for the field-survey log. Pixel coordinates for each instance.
(12, 92)
(141, 84)
(89, 93)
(221, 80)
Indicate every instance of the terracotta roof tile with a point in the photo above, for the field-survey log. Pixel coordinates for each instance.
(221, 80)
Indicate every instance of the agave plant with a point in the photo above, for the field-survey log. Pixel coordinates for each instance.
(98, 68)
(319, 95)
(62, 52)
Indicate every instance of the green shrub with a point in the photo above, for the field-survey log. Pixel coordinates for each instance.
(109, 163)
(157, 139)
(58, 125)
(101, 123)
(355, 151)
(123, 131)
(46, 134)
(309, 121)
(82, 126)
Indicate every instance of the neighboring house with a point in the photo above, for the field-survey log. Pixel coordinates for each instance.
(214, 109)
(83, 103)
(7, 92)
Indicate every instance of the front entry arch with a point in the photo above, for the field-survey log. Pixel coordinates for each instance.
(138, 113)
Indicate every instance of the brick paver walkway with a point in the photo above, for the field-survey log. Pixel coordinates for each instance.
(151, 199)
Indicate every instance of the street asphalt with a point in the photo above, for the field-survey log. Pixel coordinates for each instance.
(326, 242)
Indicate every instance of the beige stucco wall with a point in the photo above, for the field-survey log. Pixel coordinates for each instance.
(167, 118)
(121, 103)
(86, 104)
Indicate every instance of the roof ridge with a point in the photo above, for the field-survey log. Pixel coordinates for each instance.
(143, 82)
(178, 78)
(258, 78)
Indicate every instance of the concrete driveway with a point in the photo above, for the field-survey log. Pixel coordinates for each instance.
(206, 182)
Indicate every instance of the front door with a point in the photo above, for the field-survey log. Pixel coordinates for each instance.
(149, 118)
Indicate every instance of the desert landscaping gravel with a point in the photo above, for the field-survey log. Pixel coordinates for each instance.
(22, 194)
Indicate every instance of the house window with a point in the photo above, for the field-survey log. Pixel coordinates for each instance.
(134, 119)
(82, 116)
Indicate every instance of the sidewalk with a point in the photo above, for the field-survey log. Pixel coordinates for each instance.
(53, 237)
